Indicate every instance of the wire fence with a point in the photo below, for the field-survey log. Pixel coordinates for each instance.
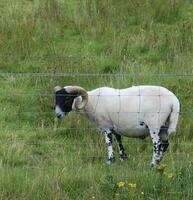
(79, 74)
(55, 127)
(12, 93)
(91, 75)
(52, 129)
(75, 144)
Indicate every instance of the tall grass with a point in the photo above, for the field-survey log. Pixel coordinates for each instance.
(94, 35)
(44, 159)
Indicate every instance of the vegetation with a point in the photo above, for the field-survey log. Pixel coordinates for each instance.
(41, 158)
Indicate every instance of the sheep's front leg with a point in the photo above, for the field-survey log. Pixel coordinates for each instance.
(122, 154)
(108, 140)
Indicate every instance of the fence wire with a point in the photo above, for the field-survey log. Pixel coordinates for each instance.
(39, 94)
(79, 74)
(34, 142)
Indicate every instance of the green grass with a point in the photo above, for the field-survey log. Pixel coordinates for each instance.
(41, 158)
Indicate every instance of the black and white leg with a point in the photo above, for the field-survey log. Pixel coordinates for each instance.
(108, 140)
(157, 147)
(122, 154)
(160, 144)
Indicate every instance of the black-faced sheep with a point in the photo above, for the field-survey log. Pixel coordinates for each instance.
(137, 111)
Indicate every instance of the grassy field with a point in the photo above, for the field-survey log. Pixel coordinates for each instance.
(41, 158)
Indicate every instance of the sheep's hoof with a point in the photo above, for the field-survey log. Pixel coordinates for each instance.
(154, 164)
(110, 160)
(123, 157)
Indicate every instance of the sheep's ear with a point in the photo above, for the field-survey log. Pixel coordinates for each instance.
(57, 88)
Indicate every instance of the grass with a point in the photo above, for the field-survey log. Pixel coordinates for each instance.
(41, 158)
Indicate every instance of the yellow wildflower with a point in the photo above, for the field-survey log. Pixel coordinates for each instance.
(132, 185)
(142, 193)
(160, 168)
(120, 184)
(169, 175)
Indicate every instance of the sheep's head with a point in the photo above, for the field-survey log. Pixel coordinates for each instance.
(66, 99)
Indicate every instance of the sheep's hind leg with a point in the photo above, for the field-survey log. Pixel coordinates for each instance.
(157, 147)
(122, 154)
(108, 140)
(161, 144)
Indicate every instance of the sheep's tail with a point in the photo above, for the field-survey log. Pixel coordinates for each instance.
(174, 115)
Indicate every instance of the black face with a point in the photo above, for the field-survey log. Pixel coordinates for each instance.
(63, 102)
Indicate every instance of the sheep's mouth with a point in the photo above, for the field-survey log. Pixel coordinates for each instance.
(59, 116)
(59, 112)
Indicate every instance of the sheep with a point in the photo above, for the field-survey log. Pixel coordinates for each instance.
(137, 111)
